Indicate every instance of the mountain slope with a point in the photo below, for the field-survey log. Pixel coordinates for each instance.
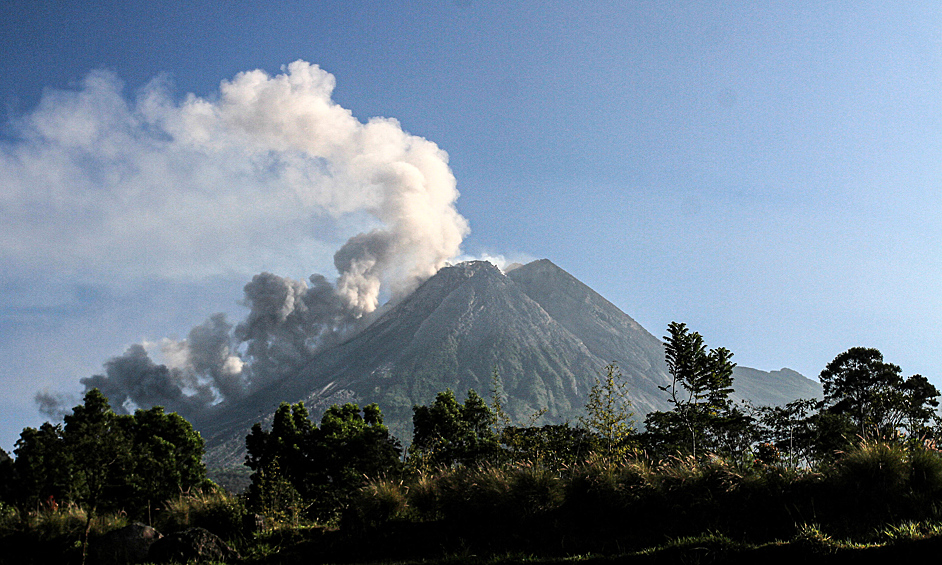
(547, 335)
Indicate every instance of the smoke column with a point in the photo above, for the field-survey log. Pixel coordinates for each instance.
(199, 185)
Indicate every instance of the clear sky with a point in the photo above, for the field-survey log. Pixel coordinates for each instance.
(769, 173)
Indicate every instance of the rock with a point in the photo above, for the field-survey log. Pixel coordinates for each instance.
(192, 544)
(129, 544)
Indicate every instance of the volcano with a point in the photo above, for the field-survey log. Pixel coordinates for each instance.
(545, 333)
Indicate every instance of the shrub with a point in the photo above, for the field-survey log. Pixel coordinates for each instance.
(375, 504)
(926, 472)
(67, 521)
(872, 481)
(534, 490)
(51, 534)
(475, 495)
(213, 509)
(272, 495)
(425, 496)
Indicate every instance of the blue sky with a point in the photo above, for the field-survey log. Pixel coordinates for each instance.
(767, 172)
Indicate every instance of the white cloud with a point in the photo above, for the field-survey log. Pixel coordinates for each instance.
(269, 174)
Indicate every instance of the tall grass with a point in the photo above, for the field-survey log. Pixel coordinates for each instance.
(637, 502)
(50, 533)
(377, 503)
(213, 509)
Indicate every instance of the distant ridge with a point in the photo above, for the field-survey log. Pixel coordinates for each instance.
(546, 333)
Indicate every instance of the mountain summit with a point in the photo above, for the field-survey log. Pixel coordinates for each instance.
(542, 330)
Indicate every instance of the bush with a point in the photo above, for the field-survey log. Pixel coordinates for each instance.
(272, 495)
(50, 534)
(425, 496)
(926, 473)
(872, 481)
(213, 509)
(375, 504)
(475, 496)
(534, 491)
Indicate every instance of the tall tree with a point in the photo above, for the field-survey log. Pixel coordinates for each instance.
(104, 461)
(323, 466)
(288, 445)
(920, 399)
(447, 432)
(167, 458)
(701, 382)
(43, 467)
(861, 385)
(351, 446)
(100, 449)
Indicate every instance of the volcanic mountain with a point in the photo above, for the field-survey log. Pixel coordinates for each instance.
(546, 334)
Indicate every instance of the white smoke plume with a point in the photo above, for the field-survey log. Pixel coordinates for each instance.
(155, 186)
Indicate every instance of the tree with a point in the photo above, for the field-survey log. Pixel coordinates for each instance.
(101, 453)
(920, 398)
(104, 461)
(7, 477)
(789, 428)
(42, 468)
(503, 425)
(350, 447)
(129, 462)
(698, 377)
(872, 392)
(448, 433)
(554, 446)
(297, 462)
(167, 458)
(279, 459)
(608, 412)
(288, 445)
(701, 382)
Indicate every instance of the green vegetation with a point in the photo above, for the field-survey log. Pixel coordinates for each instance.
(304, 470)
(707, 481)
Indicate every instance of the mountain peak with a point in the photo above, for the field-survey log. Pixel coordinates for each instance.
(547, 335)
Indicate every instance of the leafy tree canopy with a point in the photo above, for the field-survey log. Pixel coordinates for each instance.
(109, 462)
(858, 383)
(447, 432)
(297, 462)
(701, 382)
